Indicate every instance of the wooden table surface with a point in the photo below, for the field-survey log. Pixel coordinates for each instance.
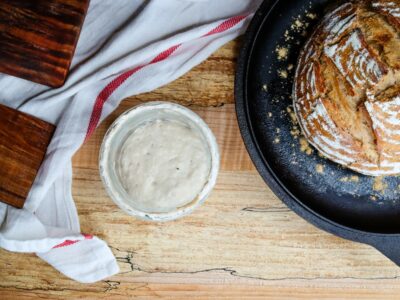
(242, 243)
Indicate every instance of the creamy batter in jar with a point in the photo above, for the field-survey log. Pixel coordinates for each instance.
(163, 165)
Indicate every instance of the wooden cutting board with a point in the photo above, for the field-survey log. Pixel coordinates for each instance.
(23, 144)
(38, 38)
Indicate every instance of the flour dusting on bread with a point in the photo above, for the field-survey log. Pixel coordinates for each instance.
(347, 87)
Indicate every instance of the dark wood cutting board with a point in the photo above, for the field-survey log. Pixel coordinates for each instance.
(38, 38)
(23, 145)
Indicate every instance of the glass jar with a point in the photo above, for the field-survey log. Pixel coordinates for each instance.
(121, 129)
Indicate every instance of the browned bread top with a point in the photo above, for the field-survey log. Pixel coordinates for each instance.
(347, 87)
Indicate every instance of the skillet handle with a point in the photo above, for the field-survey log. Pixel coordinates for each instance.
(389, 246)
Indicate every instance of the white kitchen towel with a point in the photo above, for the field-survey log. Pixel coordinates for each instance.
(126, 47)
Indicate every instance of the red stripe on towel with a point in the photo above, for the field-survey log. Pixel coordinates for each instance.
(115, 84)
(118, 81)
(71, 242)
(224, 26)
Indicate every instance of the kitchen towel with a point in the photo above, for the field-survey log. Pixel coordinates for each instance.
(126, 47)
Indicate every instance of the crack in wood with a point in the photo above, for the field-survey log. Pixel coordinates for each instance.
(111, 285)
(266, 209)
(217, 105)
(231, 271)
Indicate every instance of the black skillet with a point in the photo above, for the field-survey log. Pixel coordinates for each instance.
(336, 200)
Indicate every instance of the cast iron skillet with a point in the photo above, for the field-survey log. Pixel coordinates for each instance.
(337, 200)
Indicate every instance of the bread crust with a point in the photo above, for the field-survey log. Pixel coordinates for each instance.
(346, 92)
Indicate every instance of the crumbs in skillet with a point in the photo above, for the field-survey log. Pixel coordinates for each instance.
(283, 74)
(265, 87)
(305, 146)
(282, 53)
(353, 178)
(379, 184)
(320, 168)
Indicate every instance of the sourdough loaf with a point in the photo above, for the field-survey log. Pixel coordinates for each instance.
(347, 87)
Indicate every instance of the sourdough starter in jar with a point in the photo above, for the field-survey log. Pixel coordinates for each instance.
(164, 165)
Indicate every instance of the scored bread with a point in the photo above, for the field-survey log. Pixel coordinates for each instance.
(347, 87)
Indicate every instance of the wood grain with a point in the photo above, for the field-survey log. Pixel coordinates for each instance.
(23, 144)
(38, 38)
(243, 243)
